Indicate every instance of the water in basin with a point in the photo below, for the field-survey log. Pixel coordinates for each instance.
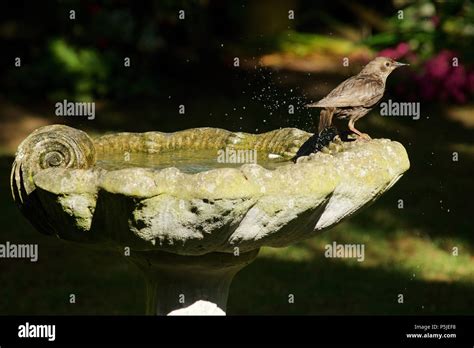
(188, 161)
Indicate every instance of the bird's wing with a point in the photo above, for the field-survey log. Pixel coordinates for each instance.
(359, 90)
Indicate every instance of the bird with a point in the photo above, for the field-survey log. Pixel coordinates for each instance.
(356, 96)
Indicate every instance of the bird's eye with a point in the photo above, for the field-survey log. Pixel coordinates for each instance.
(387, 64)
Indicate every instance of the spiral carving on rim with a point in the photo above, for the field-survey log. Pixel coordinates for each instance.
(51, 146)
(52, 159)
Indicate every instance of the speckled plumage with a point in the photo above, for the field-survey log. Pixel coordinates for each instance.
(356, 96)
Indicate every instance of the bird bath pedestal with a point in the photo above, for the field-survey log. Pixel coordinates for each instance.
(190, 223)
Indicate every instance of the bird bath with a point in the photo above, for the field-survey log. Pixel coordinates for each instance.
(187, 220)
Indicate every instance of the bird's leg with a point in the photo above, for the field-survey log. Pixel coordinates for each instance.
(325, 119)
(361, 135)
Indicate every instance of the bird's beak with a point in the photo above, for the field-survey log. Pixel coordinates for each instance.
(397, 64)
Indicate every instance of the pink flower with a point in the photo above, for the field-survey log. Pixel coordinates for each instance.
(401, 50)
(439, 66)
(388, 52)
(439, 79)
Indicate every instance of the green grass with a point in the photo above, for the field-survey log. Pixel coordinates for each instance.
(431, 279)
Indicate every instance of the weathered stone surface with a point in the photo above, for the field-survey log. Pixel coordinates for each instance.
(200, 217)
(51, 146)
(220, 209)
(178, 281)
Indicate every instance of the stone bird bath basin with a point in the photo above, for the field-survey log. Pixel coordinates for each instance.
(189, 224)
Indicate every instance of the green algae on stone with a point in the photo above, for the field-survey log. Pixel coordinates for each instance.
(214, 210)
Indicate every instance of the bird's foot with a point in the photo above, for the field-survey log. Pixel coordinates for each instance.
(360, 135)
(363, 137)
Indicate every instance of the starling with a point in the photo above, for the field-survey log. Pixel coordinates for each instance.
(357, 95)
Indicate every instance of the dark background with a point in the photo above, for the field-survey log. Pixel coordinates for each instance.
(282, 62)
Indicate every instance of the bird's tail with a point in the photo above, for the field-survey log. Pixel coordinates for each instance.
(325, 119)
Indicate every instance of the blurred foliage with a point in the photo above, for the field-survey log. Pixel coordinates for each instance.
(430, 26)
(83, 57)
(305, 43)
